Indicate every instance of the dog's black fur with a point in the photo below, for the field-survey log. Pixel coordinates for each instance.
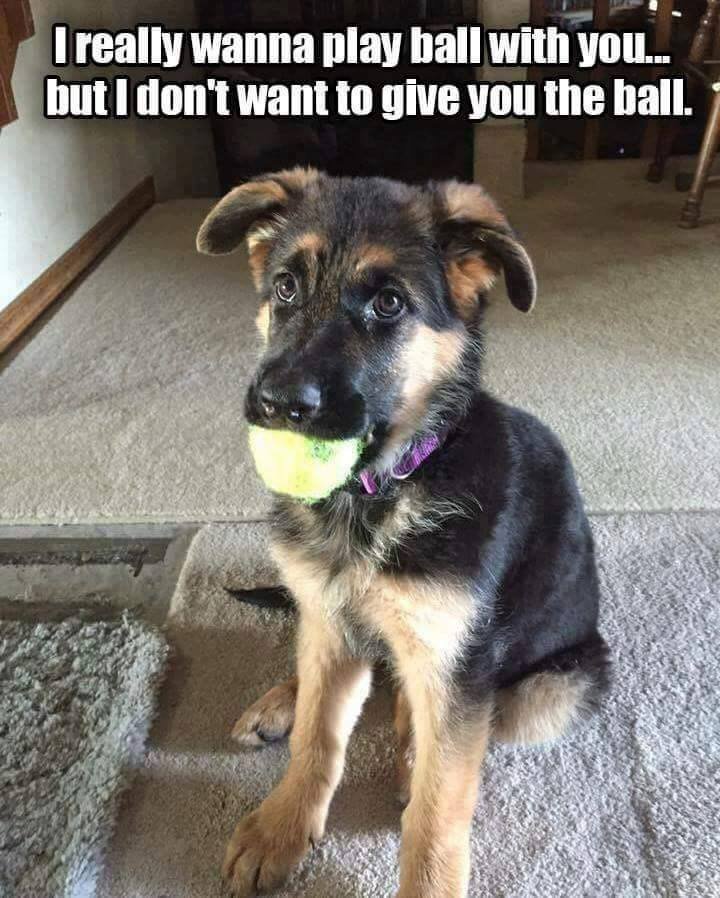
(496, 508)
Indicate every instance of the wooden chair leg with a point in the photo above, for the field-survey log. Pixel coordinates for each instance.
(705, 31)
(707, 27)
(711, 140)
(665, 140)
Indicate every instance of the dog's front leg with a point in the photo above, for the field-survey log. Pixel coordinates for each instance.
(427, 626)
(268, 843)
(450, 744)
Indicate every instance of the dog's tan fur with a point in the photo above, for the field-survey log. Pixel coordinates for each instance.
(468, 277)
(426, 625)
(311, 242)
(429, 357)
(270, 718)
(540, 708)
(469, 202)
(269, 188)
(258, 251)
(332, 687)
(435, 855)
(298, 178)
(402, 721)
(262, 320)
(373, 255)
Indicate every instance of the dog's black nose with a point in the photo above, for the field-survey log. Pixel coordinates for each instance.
(298, 402)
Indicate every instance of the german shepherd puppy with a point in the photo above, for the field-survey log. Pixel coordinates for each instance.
(459, 551)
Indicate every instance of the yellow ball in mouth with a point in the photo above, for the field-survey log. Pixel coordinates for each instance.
(303, 467)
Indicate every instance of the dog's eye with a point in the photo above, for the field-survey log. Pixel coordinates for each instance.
(285, 287)
(388, 303)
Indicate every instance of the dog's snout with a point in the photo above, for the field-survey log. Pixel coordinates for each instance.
(297, 401)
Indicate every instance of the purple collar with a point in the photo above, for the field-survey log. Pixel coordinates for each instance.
(409, 461)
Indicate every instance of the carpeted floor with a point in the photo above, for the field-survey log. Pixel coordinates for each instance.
(127, 405)
(76, 701)
(625, 807)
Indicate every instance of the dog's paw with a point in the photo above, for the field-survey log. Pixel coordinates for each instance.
(263, 851)
(271, 717)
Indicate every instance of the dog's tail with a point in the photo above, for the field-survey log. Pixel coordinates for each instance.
(264, 597)
(560, 692)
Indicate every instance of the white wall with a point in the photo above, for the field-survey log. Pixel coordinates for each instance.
(59, 177)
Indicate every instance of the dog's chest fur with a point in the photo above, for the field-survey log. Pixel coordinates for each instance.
(343, 561)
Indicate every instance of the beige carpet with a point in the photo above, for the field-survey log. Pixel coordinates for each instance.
(625, 808)
(127, 405)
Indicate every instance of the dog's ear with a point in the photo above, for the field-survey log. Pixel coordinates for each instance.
(253, 210)
(477, 242)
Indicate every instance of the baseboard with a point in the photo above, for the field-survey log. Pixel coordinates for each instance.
(54, 281)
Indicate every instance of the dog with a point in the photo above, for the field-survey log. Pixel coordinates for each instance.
(459, 552)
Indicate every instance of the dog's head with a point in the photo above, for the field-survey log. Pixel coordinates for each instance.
(371, 296)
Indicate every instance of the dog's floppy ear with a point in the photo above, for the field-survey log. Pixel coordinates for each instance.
(477, 241)
(254, 206)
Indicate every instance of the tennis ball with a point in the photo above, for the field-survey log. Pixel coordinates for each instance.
(300, 466)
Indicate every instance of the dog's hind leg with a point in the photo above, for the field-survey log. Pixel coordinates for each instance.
(270, 718)
(540, 708)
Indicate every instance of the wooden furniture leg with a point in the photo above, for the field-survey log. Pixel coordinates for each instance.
(711, 140)
(698, 54)
(653, 138)
(666, 138)
(705, 32)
